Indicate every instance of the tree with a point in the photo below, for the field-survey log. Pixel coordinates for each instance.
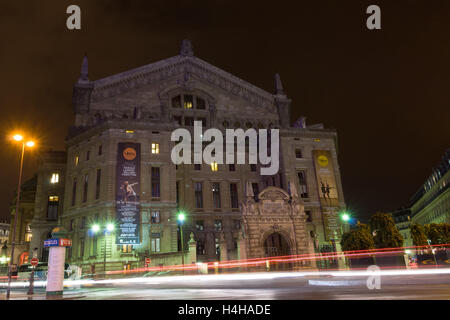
(385, 232)
(438, 233)
(418, 235)
(358, 239)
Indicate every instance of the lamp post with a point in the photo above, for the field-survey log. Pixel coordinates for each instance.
(181, 217)
(109, 228)
(30, 144)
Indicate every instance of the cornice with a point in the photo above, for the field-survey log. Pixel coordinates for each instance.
(165, 69)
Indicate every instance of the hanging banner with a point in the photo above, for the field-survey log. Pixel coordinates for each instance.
(328, 195)
(127, 193)
(326, 180)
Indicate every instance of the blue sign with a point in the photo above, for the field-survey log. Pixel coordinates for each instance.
(51, 243)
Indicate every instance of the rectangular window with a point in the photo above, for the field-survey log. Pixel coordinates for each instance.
(214, 166)
(234, 196)
(71, 225)
(155, 148)
(83, 223)
(88, 155)
(199, 225)
(177, 119)
(188, 101)
(189, 121)
(97, 183)
(255, 188)
(200, 247)
(52, 207)
(216, 195)
(199, 195)
(176, 102)
(217, 246)
(200, 103)
(156, 242)
(28, 233)
(303, 186)
(54, 178)
(218, 225)
(253, 167)
(298, 153)
(156, 218)
(231, 167)
(127, 248)
(155, 182)
(203, 120)
(76, 160)
(237, 224)
(308, 216)
(197, 167)
(100, 150)
(85, 188)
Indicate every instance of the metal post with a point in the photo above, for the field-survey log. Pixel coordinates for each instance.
(13, 242)
(182, 245)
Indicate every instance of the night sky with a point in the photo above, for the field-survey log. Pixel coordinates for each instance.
(387, 92)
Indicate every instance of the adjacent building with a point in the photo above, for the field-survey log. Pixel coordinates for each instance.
(431, 203)
(117, 170)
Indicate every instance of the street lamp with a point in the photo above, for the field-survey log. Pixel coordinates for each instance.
(109, 228)
(181, 217)
(29, 144)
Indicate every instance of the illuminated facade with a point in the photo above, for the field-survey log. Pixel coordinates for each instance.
(118, 170)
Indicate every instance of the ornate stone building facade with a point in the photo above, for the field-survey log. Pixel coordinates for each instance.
(232, 212)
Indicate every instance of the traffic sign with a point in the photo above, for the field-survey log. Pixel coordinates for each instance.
(51, 243)
(34, 262)
(147, 261)
(65, 242)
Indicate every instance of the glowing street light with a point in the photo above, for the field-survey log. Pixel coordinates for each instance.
(345, 217)
(95, 228)
(18, 138)
(110, 227)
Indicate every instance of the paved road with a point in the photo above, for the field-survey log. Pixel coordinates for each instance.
(408, 287)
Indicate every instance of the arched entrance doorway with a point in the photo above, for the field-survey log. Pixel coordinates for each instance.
(276, 245)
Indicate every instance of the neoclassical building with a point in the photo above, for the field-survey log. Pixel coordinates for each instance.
(117, 170)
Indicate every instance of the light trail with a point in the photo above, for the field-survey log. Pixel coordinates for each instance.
(236, 277)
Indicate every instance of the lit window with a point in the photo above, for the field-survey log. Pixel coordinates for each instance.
(127, 248)
(155, 148)
(53, 198)
(129, 131)
(28, 234)
(214, 166)
(55, 178)
(76, 160)
(188, 101)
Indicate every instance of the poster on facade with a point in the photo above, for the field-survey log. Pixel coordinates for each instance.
(326, 180)
(328, 195)
(127, 193)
